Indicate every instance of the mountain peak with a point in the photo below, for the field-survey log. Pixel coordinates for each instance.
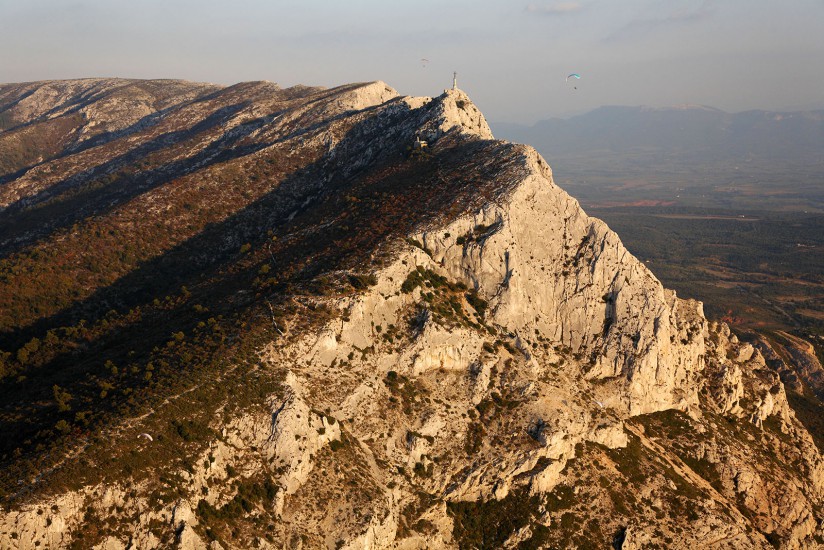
(254, 316)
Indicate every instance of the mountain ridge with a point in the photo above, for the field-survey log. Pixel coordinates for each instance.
(796, 134)
(346, 339)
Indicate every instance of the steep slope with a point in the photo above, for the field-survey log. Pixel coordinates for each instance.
(270, 318)
(41, 120)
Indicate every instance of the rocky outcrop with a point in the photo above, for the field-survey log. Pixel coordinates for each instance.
(499, 369)
(297, 435)
(548, 268)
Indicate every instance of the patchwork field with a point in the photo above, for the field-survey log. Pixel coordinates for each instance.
(764, 270)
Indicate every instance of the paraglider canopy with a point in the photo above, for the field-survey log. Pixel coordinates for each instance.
(145, 436)
(573, 75)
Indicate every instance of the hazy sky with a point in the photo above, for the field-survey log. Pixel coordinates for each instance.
(511, 55)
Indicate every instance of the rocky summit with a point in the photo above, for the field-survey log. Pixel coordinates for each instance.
(255, 317)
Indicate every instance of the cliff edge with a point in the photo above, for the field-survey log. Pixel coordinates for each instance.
(415, 339)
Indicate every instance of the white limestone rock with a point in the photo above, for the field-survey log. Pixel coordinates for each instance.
(297, 434)
(544, 265)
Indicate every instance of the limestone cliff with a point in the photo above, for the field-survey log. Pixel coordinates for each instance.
(457, 357)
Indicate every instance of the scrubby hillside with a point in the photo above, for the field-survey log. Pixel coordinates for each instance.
(256, 317)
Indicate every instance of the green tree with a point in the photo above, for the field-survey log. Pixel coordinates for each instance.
(62, 398)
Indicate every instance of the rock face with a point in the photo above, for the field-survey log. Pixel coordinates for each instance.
(452, 353)
(548, 268)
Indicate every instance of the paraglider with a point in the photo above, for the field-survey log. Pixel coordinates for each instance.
(576, 76)
(424, 62)
(145, 436)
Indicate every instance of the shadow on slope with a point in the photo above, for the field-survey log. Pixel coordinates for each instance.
(319, 230)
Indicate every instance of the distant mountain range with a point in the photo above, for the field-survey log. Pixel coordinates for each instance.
(692, 128)
(691, 156)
